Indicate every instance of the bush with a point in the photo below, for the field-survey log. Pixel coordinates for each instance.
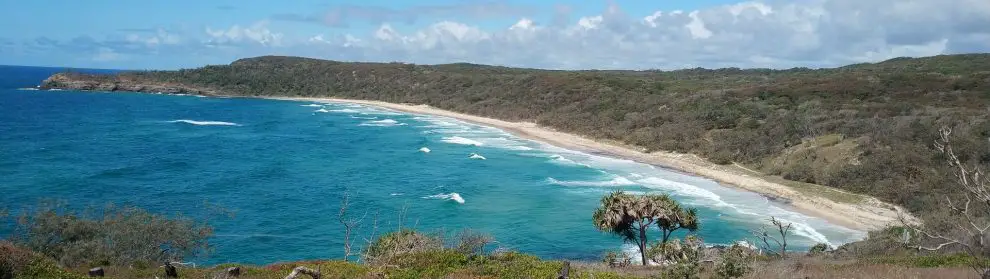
(120, 236)
(818, 249)
(386, 248)
(734, 262)
(17, 262)
(472, 242)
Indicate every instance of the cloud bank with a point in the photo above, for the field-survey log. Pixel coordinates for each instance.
(775, 34)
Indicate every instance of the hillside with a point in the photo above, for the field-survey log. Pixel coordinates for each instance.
(865, 128)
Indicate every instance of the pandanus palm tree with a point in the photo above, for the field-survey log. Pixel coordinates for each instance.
(630, 216)
(674, 217)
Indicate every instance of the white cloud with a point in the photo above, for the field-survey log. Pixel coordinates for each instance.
(775, 34)
(257, 33)
(104, 54)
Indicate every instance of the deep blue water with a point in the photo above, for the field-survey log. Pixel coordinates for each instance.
(282, 167)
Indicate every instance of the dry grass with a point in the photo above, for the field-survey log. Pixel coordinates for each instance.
(818, 268)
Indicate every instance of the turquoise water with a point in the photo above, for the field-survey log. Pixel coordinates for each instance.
(278, 170)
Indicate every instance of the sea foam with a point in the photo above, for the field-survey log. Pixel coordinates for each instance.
(477, 156)
(616, 181)
(382, 123)
(321, 110)
(424, 150)
(312, 105)
(204, 123)
(452, 196)
(461, 140)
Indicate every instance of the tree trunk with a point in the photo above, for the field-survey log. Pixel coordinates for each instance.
(986, 274)
(642, 244)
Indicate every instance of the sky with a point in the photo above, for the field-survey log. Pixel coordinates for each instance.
(551, 34)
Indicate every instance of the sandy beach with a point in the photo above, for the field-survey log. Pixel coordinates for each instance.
(867, 213)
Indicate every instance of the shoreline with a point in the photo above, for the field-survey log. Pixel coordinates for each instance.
(865, 215)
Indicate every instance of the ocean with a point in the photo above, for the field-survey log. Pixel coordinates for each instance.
(269, 175)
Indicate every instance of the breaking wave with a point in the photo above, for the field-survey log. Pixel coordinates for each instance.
(617, 181)
(382, 123)
(424, 150)
(477, 156)
(461, 140)
(312, 105)
(452, 197)
(204, 123)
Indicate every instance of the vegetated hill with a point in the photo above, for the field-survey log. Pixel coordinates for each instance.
(866, 128)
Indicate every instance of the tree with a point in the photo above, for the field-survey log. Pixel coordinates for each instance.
(766, 237)
(349, 224)
(630, 216)
(968, 226)
(676, 218)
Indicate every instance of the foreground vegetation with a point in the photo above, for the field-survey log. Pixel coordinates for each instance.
(864, 128)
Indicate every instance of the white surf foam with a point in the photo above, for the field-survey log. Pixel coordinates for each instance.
(204, 123)
(28, 89)
(382, 123)
(424, 150)
(312, 105)
(680, 188)
(461, 140)
(322, 110)
(616, 181)
(452, 196)
(344, 110)
(477, 156)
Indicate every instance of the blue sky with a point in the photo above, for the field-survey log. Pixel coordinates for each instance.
(561, 34)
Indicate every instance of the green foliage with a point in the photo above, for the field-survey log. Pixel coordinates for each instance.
(109, 236)
(734, 262)
(17, 262)
(680, 260)
(390, 246)
(819, 249)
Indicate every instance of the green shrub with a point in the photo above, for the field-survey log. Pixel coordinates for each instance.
(109, 236)
(818, 249)
(734, 262)
(391, 245)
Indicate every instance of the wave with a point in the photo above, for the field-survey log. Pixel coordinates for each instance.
(55, 89)
(452, 196)
(477, 156)
(312, 105)
(345, 110)
(395, 194)
(424, 150)
(617, 181)
(204, 123)
(561, 160)
(28, 89)
(680, 188)
(365, 118)
(460, 140)
(382, 123)
(321, 110)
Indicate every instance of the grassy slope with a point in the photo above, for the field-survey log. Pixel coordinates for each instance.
(876, 120)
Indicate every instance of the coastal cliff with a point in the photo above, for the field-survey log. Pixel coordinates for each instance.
(110, 83)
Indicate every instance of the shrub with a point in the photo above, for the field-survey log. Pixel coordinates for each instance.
(17, 262)
(472, 242)
(114, 236)
(386, 248)
(734, 262)
(818, 249)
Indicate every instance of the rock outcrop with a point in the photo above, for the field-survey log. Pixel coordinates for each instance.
(110, 83)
